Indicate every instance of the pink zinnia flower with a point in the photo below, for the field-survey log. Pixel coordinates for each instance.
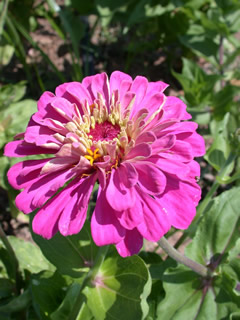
(124, 134)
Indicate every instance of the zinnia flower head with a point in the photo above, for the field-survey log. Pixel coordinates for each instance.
(125, 135)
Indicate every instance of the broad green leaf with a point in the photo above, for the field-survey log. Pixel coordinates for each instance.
(29, 256)
(183, 295)
(219, 151)
(11, 93)
(48, 290)
(63, 311)
(6, 53)
(119, 289)
(19, 114)
(223, 101)
(16, 304)
(216, 232)
(71, 255)
(6, 288)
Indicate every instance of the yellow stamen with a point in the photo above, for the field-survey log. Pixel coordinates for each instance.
(92, 155)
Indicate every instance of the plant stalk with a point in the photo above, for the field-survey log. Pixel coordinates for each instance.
(102, 252)
(176, 255)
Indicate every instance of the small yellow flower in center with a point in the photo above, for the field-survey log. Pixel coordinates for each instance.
(92, 155)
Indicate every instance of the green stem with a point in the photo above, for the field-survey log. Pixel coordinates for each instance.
(102, 252)
(12, 256)
(173, 253)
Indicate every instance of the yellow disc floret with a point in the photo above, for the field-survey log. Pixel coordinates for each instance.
(92, 155)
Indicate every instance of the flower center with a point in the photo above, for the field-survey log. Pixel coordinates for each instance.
(104, 131)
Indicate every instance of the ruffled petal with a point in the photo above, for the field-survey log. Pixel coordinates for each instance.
(131, 244)
(20, 148)
(105, 226)
(41, 189)
(131, 217)
(75, 212)
(156, 223)
(175, 108)
(98, 84)
(117, 78)
(117, 194)
(45, 222)
(150, 178)
(179, 201)
(196, 142)
(21, 174)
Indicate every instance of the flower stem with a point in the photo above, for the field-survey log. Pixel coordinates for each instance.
(176, 255)
(102, 252)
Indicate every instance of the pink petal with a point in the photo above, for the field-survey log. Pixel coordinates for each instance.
(153, 87)
(98, 84)
(139, 87)
(128, 174)
(45, 222)
(196, 141)
(164, 143)
(23, 173)
(170, 165)
(75, 212)
(146, 136)
(41, 189)
(139, 152)
(154, 102)
(45, 109)
(118, 196)
(181, 151)
(175, 108)
(174, 128)
(57, 164)
(79, 93)
(39, 134)
(127, 101)
(131, 217)
(156, 222)
(21, 148)
(131, 244)
(116, 79)
(105, 227)
(150, 178)
(179, 201)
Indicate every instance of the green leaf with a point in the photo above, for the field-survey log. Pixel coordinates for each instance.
(16, 304)
(219, 151)
(71, 255)
(48, 290)
(29, 256)
(197, 85)
(18, 114)
(6, 53)
(223, 101)
(6, 288)
(216, 232)
(119, 289)
(183, 297)
(200, 43)
(11, 93)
